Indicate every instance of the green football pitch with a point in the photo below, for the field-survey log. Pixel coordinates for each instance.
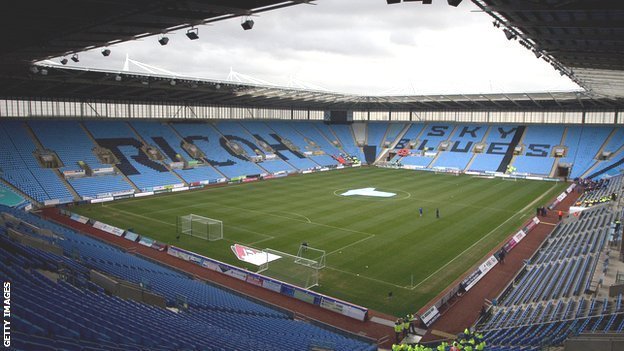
(374, 245)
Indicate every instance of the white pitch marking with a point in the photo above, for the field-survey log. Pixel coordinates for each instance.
(486, 235)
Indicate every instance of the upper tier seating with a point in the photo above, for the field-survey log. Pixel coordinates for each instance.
(462, 142)
(430, 139)
(134, 163)
(210, 141)
(286, 160)
(72, 145)
(376, 133)
(538, 141)
(497, 142)
(23, 170)
(165, 139)
(583, 144)
(394, 129)
(345, 137)
(285, 130)
(308, 130)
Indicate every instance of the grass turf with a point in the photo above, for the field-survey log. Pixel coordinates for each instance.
(374, 245)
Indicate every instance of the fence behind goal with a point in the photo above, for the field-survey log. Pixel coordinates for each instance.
(200, 227)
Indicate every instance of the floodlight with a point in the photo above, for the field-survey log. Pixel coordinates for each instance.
(454, 3)
(64, 60)
(248, 24)
(172, 82)
(106, 52)
(118, 78)
(163, 41)
(509, 34)
(34, 69)
(537, 54)
(75, 58)
(44, 72)
(193, 33)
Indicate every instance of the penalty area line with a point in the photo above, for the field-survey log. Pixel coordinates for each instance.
(352, 244)
(365, 277)
(267, 236)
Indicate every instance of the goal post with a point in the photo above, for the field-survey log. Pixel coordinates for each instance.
(200, 227)
(307, 252)
(295, 270)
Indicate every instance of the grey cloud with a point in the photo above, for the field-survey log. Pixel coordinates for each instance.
(349, 45)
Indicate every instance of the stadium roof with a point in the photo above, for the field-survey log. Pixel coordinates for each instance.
(85, 84)
(582, 39)
(46, 29)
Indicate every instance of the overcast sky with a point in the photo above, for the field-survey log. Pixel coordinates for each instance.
(353, 46)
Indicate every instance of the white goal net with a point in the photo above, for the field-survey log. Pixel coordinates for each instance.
(200, 227)
(296, 270)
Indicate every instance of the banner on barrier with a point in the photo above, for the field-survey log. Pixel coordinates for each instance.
(131, 236)
(147, 193)
(108, 228)
(479, 273)
(514, 241)
(79, 218)
(348, 309)
(430, 315)
(532, 224)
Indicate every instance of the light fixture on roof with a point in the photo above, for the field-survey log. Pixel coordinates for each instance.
(163, 40)
(118, 78)
(193, 33)
(64, 60)
(34, 69)
(454, 3)
(247, 24)
(172, 82)
(509, 34)
(75, 58)
(106, 52)
(537, 53)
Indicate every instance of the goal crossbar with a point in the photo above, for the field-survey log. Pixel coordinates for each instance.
(292, 269)
(200, 227)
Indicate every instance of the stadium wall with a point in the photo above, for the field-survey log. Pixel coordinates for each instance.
(94, 109)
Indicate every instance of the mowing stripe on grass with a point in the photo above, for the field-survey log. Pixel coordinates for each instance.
(388, 236)
(485, 236)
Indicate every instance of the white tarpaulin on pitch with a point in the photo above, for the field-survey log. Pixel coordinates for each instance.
(367, 192)
(253, 256)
